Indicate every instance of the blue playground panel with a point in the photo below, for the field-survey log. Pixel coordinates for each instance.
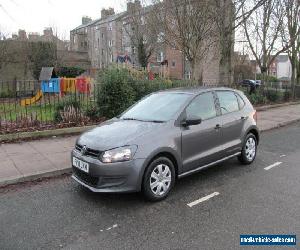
(52, 86)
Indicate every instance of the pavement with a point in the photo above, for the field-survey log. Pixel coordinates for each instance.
(32, 160)
(58, 213)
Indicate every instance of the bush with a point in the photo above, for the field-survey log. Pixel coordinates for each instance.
(69, 72)
(257, 98)
(273, 95)
(116, 92)
(92, 113)
(62, 106)
(146, 87)
(287, 96)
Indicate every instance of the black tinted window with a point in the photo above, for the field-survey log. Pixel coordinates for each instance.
(202, 107)
(228, 102)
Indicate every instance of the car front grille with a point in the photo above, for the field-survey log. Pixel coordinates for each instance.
(86, 178)
(88, 152)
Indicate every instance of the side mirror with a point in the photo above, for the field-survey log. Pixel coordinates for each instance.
(191, 122)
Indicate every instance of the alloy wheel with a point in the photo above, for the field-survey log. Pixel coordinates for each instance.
(160, 179)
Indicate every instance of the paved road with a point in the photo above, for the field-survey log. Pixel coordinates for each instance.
(58, 214)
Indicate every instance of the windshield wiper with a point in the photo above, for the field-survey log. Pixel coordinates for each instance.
(131, 119)
(134, 119)
(155, 121)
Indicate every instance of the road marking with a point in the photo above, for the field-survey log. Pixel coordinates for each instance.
(205, 198)
(282, 156)
(114, 226)
(273, 165)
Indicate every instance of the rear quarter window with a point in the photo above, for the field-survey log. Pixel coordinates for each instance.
(228, 102)
(240, 101)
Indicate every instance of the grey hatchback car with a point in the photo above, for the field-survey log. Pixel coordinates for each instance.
(165, 136)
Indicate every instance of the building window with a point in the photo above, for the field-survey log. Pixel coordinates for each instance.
(110, 26)
(188, 75)
(160, 37)
(160, 57)
(102, 35)
(111, 58)
(98, 42)
(133, 50)
(173, 63)
(110, 43)
(102, 52)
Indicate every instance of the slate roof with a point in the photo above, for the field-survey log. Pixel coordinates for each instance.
(47, 73)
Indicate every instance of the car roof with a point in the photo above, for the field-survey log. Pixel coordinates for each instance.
(194, 90)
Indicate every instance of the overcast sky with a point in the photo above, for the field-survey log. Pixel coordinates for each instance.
(64, 15)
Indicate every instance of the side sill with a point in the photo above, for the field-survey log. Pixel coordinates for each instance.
(208, 165)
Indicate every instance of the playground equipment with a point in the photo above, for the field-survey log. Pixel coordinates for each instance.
(61, 86)
(32, 100)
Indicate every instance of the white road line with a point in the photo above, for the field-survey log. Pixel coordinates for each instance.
(114, 226)
(196, 202)
(273, 165)
(282, 156)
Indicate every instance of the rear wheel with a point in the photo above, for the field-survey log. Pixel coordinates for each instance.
(159, 179)
(249, 150)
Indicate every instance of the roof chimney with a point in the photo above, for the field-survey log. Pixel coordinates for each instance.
(107, 12)
(86, 20)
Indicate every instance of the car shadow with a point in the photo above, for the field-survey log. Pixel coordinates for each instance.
(213, 176)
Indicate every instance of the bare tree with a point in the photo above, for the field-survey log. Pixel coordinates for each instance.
(237, 12)
(187, 25)
(291, 34)
(263, 33)
(195, 27)
(142, 30)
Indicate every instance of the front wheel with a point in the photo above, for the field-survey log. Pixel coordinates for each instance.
(249, 150)
(159, 179)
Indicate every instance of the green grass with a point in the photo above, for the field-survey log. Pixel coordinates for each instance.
(41, 111)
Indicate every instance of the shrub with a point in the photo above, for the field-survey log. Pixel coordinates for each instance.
(63, 106)
(116, 92)
(92, 113)
(69, 71)
(273, 95)
(257, 98)
(146, 87)
(287, 96)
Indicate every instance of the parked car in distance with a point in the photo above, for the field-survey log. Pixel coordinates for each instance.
(250, 83)
(165, 136)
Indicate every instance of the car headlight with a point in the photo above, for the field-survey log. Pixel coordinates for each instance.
(118, 154)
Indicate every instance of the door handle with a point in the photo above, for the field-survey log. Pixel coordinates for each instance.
(218, 126)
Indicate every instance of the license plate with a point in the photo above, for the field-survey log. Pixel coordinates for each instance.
(81, 165)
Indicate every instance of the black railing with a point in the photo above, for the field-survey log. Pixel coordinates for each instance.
(30, 105)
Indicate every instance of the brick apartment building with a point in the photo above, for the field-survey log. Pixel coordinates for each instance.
(105, 39)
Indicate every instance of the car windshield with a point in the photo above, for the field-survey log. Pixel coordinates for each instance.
(158, 107)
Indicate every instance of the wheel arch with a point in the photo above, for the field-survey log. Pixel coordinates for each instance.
(255, 132)
(165, 152)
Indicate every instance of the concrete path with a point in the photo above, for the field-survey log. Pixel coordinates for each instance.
(49, 157)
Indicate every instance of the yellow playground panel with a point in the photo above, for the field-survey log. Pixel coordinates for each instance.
(68, 85)
(32, 100)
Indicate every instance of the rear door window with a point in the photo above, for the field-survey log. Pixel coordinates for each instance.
(228, 102)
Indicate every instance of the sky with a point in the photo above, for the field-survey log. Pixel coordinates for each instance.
(62, 15)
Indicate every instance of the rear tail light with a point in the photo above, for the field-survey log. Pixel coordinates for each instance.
(254, 114)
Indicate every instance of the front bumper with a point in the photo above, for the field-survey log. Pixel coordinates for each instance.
(109, 178)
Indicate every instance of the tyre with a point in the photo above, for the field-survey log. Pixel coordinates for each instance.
(249, 150)
(159, 179)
